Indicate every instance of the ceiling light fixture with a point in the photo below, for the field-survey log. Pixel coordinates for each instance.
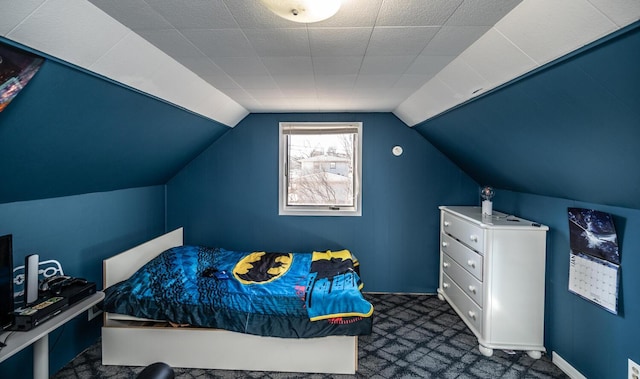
(305, 11)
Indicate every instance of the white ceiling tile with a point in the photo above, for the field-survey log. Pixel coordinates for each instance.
(266, 108)
(400, 41)
(376, 65)
(548, 29)
(412, 82)
(241, 65)
(221, 82)
(10, 17)
(288, 65)
(431, 99)
(463, 80)
(221, 42)
(295, 81)
(299, 92)
(622, 12)
(452, 40)
(203, 66)
(496, 59)
(481, 12)
(373, 82)
(337, 102)
(261, 94)
(171, 42)
(336, 65)
(238, 93)
(250, 82)
(339, 41)
(334, 93)
(73, 29)
(135, 14)
(182, 88)
(334, 85)
(429, 65)
(252, 105)
(390, 93)
(416, 12)
(368, 104)
(303, 104)
(279, 42)
(194, 14)
(117, 62)
(267, 104)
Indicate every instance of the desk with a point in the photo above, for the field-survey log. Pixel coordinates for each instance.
(39, 336)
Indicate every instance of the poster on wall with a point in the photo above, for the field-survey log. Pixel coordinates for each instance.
(594, 264)
(17, 67)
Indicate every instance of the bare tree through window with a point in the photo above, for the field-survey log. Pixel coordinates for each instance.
(320, 167)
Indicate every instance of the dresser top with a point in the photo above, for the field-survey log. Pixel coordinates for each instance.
(497, 220)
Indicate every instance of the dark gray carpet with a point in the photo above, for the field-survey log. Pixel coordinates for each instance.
(414, 336)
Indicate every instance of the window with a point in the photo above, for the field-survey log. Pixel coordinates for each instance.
(320, 169)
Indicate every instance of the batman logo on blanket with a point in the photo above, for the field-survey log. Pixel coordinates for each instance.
(260, 267)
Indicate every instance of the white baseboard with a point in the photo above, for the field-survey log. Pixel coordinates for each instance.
(566, 367)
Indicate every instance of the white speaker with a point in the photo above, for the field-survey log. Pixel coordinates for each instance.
(31, 278)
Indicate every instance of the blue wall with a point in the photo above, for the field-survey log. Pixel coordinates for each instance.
(70, 132)
(78, 231)
(228, 197)
(594, 341)
(570, 130)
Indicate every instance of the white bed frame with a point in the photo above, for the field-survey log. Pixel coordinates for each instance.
(126, 341)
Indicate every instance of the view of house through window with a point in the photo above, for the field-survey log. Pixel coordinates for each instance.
(321, 173)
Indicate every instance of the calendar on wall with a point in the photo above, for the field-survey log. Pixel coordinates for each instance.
(594, 264)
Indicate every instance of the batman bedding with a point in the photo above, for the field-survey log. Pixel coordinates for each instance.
(290, 295)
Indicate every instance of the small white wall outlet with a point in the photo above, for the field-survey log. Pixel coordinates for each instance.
(634, 370)
(94, 312)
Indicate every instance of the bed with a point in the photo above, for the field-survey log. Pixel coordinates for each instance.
(140, 338)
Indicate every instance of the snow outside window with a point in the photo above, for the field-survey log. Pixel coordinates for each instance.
(320, 169)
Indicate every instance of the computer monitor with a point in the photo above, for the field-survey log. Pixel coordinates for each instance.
(6, 281)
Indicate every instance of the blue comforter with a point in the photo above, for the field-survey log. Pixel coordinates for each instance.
(275, 294)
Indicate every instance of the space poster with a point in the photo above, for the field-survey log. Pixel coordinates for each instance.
(17, 67)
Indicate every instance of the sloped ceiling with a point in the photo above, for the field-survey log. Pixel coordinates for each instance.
(224, 58)
(70, 133)
(569, 131)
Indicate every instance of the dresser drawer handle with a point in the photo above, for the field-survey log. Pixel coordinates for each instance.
(472, 314)
(445, 264)
(473, 238)
(471, 263)
(445, 285)
(446, 223)
(472, 289)
(445, 244)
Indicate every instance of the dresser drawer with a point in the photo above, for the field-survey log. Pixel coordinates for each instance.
(467, 258)
(464, 231)
(467, 282)
(468, 310)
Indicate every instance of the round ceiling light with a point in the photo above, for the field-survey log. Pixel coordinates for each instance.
(304, 11)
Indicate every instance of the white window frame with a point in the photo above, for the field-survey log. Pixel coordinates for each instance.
(311, 210)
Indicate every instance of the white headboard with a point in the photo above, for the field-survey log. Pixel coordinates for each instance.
(123, 265)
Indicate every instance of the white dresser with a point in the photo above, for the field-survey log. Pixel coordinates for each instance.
(492, 273)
